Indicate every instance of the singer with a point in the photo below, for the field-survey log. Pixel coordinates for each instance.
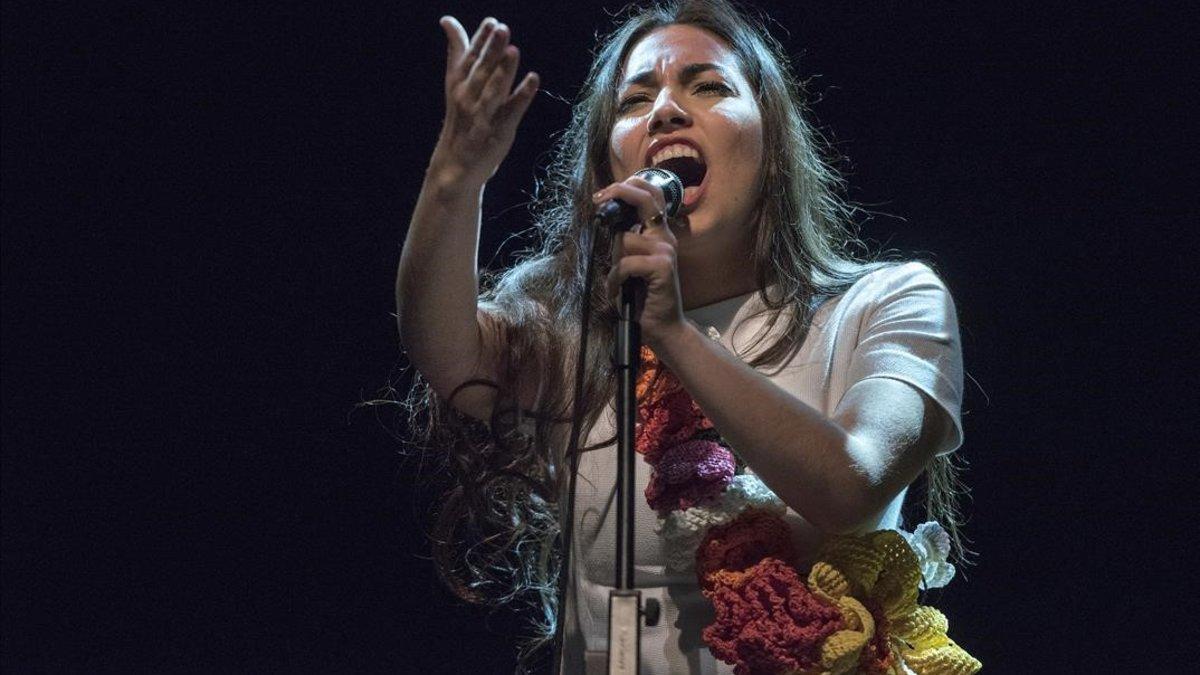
(791, 392)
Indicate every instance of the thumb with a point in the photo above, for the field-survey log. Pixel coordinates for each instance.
(456, 36)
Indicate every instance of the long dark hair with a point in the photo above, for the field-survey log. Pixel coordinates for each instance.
(494, 538)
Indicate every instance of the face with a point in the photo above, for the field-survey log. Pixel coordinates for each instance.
(682, 83)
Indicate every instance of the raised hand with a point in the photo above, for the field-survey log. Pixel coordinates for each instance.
(482, 108)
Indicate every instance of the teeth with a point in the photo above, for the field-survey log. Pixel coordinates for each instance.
(673, 151)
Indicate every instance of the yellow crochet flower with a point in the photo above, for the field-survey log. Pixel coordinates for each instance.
(880, 570)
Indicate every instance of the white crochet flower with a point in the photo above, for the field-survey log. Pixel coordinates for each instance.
(682, 531)
(931, 543)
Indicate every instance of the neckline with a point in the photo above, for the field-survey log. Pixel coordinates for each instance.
(718, 305)
(720, 315)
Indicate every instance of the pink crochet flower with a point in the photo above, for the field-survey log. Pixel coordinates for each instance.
(688, 474)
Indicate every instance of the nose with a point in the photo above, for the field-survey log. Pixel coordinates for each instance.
(668, 115)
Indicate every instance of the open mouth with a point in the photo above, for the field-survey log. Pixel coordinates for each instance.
(691, 172)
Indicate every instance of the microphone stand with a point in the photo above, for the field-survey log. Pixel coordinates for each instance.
(624, 601)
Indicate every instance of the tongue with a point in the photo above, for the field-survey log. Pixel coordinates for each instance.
(689, 169)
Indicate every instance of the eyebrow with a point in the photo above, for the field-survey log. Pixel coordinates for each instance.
(689, 73)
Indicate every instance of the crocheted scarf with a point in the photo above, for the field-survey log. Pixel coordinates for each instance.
(855, 610)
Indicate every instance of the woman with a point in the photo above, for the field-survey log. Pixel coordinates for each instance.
(833, 381)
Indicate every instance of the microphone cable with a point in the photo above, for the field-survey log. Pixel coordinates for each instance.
(567, 531)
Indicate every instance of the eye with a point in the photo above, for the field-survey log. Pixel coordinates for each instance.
(713, 86)
(718, 87)
(630, 100)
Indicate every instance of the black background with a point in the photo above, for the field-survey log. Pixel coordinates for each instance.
(203, 209)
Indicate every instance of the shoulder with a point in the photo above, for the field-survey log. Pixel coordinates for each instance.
(910, 281)
(900, 275)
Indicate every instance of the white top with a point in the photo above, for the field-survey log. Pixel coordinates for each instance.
(898, 322)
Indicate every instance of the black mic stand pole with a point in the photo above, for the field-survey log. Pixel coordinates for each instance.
(624, 601)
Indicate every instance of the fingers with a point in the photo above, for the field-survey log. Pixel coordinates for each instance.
(481, 34)
(639, 198)
(650, 204)
(489, 58)
(647, 199)
(495, 92)
(495, 98)
(480, 72)
(657, 224)
(636, 254)
(461, 53)
(512, 110)
(656, 270)
(633, 243)
(660, 201)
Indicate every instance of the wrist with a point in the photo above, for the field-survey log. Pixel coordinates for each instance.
(675, 341)
(449, 178)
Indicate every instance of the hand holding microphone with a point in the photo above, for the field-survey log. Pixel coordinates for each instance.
(665, 190)
(648, 254)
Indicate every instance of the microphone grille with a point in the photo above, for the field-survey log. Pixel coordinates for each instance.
(669, 183)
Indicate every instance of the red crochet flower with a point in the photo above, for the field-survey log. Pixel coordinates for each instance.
(730, 549)
(771, 623)
(688, 474)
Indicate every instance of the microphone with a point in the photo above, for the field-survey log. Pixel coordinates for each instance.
(619, 216)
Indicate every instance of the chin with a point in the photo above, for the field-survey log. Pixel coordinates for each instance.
(693, 227)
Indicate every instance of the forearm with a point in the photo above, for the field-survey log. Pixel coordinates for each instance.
(437, 283)
(803, 456)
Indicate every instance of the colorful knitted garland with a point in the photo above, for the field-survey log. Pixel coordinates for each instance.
(856, 609)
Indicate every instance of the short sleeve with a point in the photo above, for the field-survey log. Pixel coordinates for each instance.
(910, 333)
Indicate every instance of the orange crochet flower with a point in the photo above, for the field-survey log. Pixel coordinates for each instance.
(667, 415)
(646, 375)
(672, 420)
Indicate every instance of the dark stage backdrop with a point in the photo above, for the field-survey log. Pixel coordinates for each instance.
(203, 206)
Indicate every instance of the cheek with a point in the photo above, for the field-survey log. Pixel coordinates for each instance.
(747, 137)
(744, 145)
(738, 130)
(622, 150)
(752, 142)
